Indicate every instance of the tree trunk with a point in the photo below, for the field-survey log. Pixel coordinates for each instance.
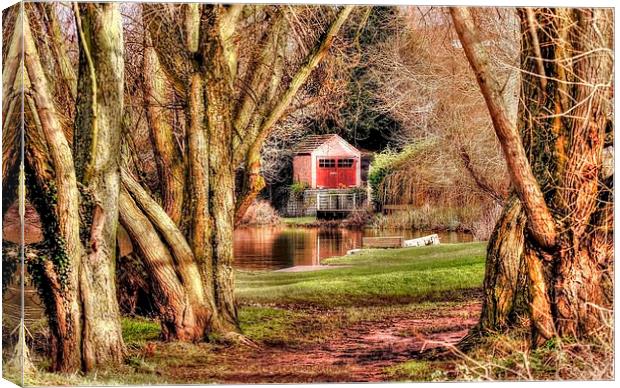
(96, 145)
(170, 163)
(218, 117)
(504, 279)
(564, 122)
(203, 69)
(177, 315)
(56, 200)
(12, 83)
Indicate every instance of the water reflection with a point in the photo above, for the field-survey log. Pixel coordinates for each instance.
(281, 247)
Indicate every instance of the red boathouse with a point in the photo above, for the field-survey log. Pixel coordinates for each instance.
(327, 162)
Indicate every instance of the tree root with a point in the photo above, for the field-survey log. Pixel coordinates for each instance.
(234, 338)
(471, 340)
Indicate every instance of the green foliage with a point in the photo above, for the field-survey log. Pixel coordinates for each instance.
(434, 273)
(389, 160)
(358, 191)
(297, 189)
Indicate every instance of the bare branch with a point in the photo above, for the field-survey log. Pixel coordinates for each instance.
(541, 222)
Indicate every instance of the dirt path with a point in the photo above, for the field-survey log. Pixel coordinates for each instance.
(357, 353)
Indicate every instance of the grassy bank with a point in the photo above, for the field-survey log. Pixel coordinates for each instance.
(314, 326)
(298, 221)
(393, 276)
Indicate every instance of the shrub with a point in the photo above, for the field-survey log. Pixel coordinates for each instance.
(298, 188)
(428, 217)
(260, 213)
(387, 161)
(358, 219)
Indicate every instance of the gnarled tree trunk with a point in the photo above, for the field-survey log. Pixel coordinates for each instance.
(176, 313)
(96, 149)
(555, 157)
(504, 282)
(76, 194)
(169, 159)
(52, 189)
(203, 69)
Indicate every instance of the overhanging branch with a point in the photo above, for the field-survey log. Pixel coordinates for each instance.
(540, 220)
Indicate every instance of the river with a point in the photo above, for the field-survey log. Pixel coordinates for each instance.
(276, 247)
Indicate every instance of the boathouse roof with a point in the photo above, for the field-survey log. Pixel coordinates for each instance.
(312, 142)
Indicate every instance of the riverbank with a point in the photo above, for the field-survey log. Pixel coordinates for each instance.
(373, 320)
(313, 222)
(356, 323)
(373, 277)
(279, 247)
(425, 218)
(463, 219)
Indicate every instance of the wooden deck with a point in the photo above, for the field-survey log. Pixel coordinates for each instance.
(339, 204)
(338, 201)
(383, 242)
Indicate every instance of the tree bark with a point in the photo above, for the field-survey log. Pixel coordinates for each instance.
(96, 145)
(170, 162)
(178, 317)
(59, 49)
(564, 119)
(170, 234)
(56, 201)
(12, 84)
(221, 206)
(505, 298)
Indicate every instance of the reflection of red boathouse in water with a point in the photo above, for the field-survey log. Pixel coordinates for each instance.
(327, 162)
(281, 247)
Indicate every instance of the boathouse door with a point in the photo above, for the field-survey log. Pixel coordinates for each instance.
(335, 173)
(346, 172)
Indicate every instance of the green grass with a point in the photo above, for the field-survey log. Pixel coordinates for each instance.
(274, 326)
(137, 331)
(391, 276)
(298, 220)
(414, 370)
(298, 310)
(267, 324)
